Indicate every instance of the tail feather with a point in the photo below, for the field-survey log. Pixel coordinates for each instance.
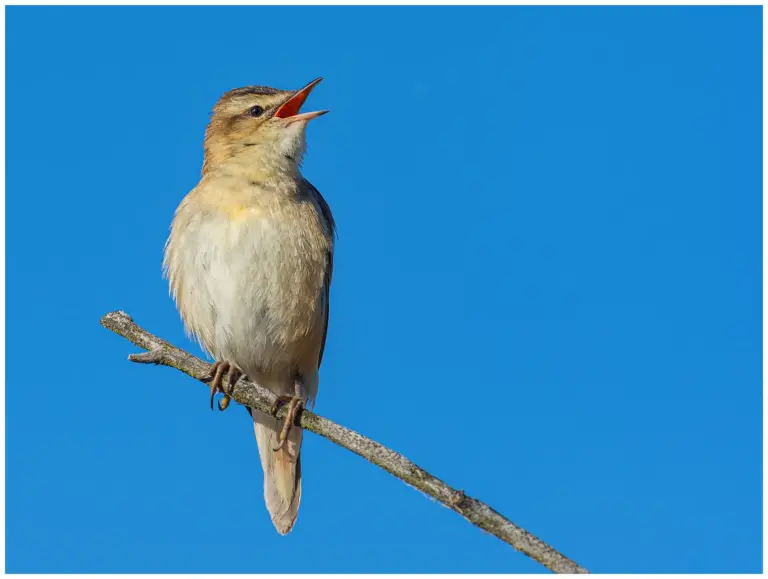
(282, 470)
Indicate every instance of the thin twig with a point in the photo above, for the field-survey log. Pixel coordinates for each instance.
(250, 394)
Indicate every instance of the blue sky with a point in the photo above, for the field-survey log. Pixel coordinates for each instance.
(548, 214)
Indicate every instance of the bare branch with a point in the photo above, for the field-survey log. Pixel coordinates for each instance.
(250, 394)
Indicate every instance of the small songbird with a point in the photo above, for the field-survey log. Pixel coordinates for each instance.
(249, 261)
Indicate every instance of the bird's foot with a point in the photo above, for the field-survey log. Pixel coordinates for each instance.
(295, 404)
(215, 377)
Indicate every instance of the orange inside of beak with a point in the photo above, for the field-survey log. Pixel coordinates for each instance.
(292, 106)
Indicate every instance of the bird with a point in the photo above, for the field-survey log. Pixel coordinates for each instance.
(249, 261)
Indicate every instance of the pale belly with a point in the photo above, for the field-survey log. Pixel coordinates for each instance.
(251, 290)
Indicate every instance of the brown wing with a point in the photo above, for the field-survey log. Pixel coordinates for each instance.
(327, 287)
(325, 211)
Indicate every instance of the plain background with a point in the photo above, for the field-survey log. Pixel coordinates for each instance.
(547, 287)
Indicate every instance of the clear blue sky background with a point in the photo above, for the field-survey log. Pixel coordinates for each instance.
(547, 287)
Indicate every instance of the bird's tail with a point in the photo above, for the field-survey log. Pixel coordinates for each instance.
(282, 470)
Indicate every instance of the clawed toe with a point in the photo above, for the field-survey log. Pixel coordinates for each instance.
(279, 401)
(295, 403)
(216, 378)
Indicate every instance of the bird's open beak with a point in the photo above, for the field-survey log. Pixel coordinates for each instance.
(290, 108)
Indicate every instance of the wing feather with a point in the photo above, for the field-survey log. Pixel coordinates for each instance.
(327, 216)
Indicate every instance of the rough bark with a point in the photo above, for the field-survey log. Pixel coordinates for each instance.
(250, 394)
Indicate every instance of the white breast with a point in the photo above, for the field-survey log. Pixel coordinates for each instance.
(249, 286)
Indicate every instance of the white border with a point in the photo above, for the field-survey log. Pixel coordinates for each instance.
(343, 3)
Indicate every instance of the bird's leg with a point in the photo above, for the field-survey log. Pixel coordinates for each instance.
(295, 403)
(216, 378)
(234, 375)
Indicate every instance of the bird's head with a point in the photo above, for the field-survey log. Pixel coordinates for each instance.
(258, 122)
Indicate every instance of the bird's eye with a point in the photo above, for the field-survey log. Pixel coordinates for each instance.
(256, 111)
